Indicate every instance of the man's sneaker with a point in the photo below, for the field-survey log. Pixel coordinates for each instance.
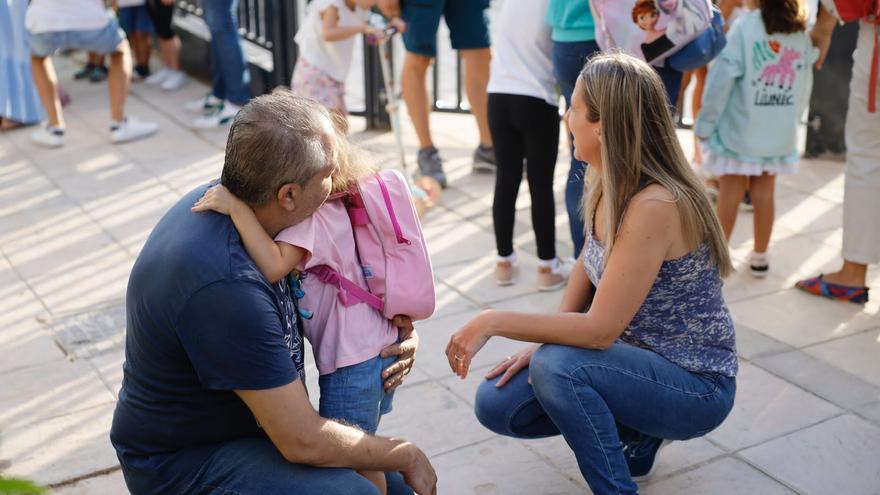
(218, 118)
(431, 164)
(759, 264)
(49, 137)
(130, 129)
(207, 103)
(551, 278)
(85, 72)
(641, 458)
(484, 160)
(99, 74)
(159, 77)
(175, 80)
(506, 272)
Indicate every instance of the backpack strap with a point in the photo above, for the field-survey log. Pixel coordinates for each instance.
(398, 232)
(349, 292)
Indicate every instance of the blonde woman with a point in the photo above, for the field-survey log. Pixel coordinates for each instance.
(642, 349)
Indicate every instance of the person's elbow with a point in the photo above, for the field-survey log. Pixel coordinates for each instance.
(303, 449)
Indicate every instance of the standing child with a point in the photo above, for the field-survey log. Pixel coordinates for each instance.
(326, 45)
(134, 19)
(524, 122)
(756, 92)
(346, 338)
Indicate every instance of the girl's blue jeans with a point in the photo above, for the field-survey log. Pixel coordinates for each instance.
(231, 79)
(595, 398)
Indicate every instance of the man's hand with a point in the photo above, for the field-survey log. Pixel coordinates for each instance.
(821, 34)
(405, 350)
(419, 474)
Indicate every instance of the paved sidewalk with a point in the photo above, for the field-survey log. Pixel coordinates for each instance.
(807, 416)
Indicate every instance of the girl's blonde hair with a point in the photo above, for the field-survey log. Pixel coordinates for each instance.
(353, 162)
(639, 147)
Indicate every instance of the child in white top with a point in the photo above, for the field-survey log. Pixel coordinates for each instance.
(326, 45)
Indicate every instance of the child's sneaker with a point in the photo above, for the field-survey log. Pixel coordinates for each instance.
(85, 72)
(554, 277)
(207, 103)
(158, 77)
(99, 74)
(506, 272)
(175, 80)
(219, 118)
(48, 136)
(130, 129)
(759, 264)
(431, 164)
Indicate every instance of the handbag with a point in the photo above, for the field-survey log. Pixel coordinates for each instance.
(705, 47)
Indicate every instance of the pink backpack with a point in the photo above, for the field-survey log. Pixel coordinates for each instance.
(391, 248)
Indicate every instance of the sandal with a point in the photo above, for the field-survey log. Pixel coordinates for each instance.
(819, 287)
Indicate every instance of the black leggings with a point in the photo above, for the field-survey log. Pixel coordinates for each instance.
(161, 15)
(527, 128)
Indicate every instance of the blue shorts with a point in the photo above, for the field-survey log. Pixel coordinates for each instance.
(135, 19)
(356, 394)
(105, 40)
(468, 22)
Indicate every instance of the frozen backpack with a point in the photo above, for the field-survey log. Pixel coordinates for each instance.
(391, 250)
(651, 30)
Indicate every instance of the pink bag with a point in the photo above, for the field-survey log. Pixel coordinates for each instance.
(391, 248)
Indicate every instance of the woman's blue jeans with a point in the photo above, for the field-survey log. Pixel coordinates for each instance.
(231, 79)
(568, 60)
(595, 398)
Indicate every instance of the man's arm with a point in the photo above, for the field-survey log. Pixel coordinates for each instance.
(304, 437)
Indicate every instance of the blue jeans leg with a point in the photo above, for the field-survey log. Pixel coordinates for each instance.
(231, 78)
(588, 393)
(568, 60)
(671, 82)
(254, 466)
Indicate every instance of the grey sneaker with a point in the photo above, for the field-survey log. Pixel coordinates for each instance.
(484, 160)
(431, 164)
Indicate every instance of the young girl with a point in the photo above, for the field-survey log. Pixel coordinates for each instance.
(756, 92)
(642, 348)
(346, 340)
(524, 121)
(326, 44)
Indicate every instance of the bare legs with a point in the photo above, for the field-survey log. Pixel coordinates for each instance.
(733, 188)
(476, 79)
(852, 274)
(47, 86)
(117, 80)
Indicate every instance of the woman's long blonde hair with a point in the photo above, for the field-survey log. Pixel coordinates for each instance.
(353, 162)
(639, 147)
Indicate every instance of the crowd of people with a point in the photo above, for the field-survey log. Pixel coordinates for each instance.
(238, 272)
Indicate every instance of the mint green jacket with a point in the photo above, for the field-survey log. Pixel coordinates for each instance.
(570, 20)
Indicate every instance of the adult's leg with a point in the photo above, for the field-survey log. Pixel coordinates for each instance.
(118, 79)
(568, 60)
(542, 145)
(509, 154)
(229, 64)
(730, 194)
(671, 82)
(588, 392)
(415, 94)
(169, 42)
(140, 45)
(47, 86)
(476, 79)
(761, 189)
(468, 23)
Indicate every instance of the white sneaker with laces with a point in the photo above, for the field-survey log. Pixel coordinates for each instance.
(175, 80)
(130, 129)
(221, 117)
(159, 77)
(48, 137)
(202, 104)
(759, 264)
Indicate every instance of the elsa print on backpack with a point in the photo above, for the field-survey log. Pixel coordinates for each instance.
(358, 262)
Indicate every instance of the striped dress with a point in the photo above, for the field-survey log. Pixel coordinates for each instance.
(19, 100)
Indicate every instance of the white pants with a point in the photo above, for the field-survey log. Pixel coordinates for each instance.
(861, 199)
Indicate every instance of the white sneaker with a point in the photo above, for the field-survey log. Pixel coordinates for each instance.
(175, 80)
(49, 137)
(131, 129)
(218, 118)
(159, 77)
(550, 279)
(759, 264)
(205, 103)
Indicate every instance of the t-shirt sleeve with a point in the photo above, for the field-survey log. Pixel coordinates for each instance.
(234, 335)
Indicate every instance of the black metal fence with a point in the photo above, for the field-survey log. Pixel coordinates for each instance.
(268, 28)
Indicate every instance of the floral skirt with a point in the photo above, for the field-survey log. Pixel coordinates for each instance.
(312, 82)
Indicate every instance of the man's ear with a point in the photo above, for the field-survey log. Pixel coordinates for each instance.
(288, 196)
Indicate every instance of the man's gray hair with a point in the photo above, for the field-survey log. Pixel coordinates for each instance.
(276, 139)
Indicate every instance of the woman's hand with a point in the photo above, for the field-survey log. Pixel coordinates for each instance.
(512, 365)
(405, 350)
(467, 341)
(218, 199)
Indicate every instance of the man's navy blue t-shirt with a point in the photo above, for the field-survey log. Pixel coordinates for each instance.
(202, 321)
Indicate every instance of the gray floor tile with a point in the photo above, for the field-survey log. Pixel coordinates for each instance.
(105, 484)
(726, 476)
(837, 456)
(859, 355)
